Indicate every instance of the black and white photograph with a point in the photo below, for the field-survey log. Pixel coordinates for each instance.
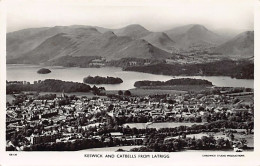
(164, 78)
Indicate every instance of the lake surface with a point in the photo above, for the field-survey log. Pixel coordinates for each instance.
(75, 74)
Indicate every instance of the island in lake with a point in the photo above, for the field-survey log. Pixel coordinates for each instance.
(102, 80)
(173, 82)
(44, 71)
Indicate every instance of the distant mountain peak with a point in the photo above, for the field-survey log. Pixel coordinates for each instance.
(192, 35)
(198, 27)
(135, 26)
(133, 30)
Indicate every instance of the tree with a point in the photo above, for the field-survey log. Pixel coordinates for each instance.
(232, 137)
(220, 143)
(120, 93)
(183, 135)
(45, 122)
(95, 90)
(29, 132)
(171, 101)
(127, 93)
(243, 142)
(110, 107)
(199, 144)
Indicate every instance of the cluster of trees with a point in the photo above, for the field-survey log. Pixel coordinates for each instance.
(228, 90)
(49, 85)
(80, 144)
(19, 99)
(102, 80)
(125, 62)
(46, 97)
(98, 91)
(172, 145)
(234, 89)
(236, 69)
(181, 81)
(69, 61)
(145, 118)
(155, 139)
(216, 126)
(207, 127)
(125, 93)
(245, 72)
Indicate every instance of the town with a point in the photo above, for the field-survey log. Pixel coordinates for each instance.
(221, 119)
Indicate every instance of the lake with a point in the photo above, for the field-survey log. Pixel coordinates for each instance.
(29, 73)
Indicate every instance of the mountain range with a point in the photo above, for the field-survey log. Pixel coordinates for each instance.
(47, 44)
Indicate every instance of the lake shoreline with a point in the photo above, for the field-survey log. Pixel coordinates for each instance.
(173, 76)
(18, 72)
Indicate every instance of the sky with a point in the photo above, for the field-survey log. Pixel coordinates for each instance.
(154, 15)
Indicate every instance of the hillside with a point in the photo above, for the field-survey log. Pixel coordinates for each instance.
(193, 35)
(160, 40)
(23, 41)
(20, 42)
(88, 42)
(241, 46)
(178, 30)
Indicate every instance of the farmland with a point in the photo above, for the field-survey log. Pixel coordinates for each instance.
(159, 125)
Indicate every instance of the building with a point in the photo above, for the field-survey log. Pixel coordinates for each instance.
(44, 138)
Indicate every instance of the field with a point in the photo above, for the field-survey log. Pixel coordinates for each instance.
(159, 125)
(111, 149)
(9, 98)
(176, 88)
(146, 92)
(198, 136)
(249, 138)
(238, 136)
(79, 94)
(246, 98)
